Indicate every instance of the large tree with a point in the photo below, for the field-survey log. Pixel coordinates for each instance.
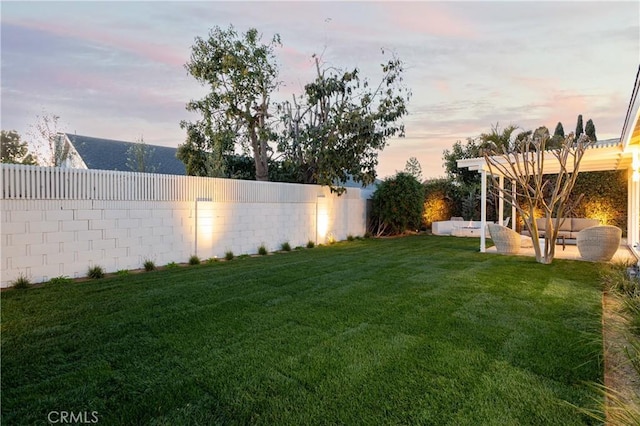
(241, 74)
(13, 150)
(335, 131)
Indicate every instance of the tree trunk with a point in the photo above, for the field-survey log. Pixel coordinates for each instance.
(260, 157)
(262, 168)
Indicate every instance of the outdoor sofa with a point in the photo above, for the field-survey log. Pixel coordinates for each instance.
(569, 228)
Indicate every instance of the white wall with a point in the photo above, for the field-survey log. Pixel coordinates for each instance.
(45, 238)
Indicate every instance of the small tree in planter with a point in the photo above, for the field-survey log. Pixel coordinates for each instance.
(525, 165)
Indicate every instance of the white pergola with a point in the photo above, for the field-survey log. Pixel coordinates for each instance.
(614, 154)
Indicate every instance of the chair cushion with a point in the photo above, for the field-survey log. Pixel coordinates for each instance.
(566, 225)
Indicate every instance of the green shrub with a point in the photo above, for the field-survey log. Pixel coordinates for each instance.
(350, 238)
(398, 203)
(285, 246)
(171, 265)
(243, 256)
(95, 272)
(229, 255)
(212, 260)
(149, 265)
(122, 272)
(310, 244)
(62, 279)
(21, 282)
(262, 250)
(194, 260)
(440, 200)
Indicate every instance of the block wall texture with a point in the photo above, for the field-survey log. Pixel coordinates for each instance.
(41, 239)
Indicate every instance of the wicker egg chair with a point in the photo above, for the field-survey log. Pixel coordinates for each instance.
(599, 243)
(507, 241)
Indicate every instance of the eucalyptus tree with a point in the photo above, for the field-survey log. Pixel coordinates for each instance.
(241, 73)
(336, 129)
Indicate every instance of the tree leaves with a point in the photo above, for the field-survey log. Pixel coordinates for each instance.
(335, 131)
(241, 74)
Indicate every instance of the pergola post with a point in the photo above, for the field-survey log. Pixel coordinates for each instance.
(513, 205)
(483, 212)
(501, 200)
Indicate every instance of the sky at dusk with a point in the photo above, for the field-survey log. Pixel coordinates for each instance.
(115, 70)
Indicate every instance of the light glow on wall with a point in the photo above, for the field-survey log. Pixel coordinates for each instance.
(636, 166)
(322, 219)
(204, 224)
(600, 209)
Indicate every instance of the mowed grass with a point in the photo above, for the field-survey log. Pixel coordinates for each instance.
(415, 330)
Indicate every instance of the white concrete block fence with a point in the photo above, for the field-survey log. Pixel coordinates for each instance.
(60, 222)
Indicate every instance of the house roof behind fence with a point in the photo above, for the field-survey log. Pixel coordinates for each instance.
(108, 154)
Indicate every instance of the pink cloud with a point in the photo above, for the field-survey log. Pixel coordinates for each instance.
(442, 85)
(152, 51)
(429, 19)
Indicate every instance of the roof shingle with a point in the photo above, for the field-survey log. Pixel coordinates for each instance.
(108, 154)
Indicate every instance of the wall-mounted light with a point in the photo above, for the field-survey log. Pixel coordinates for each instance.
(635, 165)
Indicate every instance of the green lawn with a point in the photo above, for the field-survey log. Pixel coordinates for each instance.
(415, 330)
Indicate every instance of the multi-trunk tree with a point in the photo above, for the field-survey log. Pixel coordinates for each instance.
(536, 188)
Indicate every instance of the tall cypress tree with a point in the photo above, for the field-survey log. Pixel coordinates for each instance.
(590, 130)
(579, 127)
